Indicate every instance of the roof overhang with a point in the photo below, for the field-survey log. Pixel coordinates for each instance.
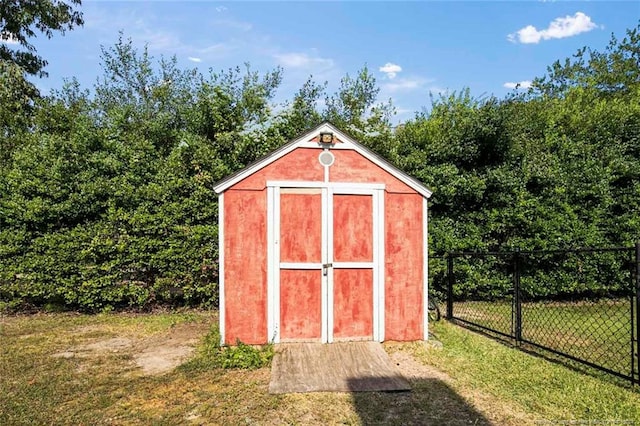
(344, 141)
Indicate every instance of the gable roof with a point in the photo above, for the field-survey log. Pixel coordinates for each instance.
(310, 140)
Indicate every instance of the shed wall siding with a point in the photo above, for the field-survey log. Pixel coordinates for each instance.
(404, 253)
(245, 266)
(350, 166)
(245, 241)
(301, 164)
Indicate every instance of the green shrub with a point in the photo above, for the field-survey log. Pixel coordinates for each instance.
(212, 355)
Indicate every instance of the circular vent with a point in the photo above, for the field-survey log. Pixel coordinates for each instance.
(326, 158)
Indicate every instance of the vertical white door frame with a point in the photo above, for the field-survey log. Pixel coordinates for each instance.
(327, 301)
(221, 248)
(379, 280)
(425, 269)
(329, 189)
(273, 264)
(329, 259)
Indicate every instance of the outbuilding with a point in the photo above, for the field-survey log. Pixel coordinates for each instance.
(322, 241)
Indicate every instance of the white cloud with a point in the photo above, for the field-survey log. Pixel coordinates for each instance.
(151, 30)
(303, 60)
(390, 69)
(559, 28)
(7, 38)
(221, 9)
(524, 84)
(194, 59)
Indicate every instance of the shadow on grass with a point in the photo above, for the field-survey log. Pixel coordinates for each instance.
(430, 402)
(500, 338)
(549, 356)
(577, 366)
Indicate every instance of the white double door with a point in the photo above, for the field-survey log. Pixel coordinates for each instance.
(325, 261)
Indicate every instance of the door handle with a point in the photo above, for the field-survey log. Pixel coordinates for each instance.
(325, 268)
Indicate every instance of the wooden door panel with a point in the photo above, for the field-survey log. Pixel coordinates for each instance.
(300, 227)
(300, 245)
(300, 305)
(353, 228)
(352, 284)
(352, 304)
(349, 286)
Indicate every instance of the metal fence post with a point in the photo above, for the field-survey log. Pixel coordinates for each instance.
(516, 296)
(450, 282)
(637, 325)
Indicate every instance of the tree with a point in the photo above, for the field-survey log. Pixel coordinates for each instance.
(16, 107)
(19, 21)
(354, 108)
(295, 117)
(616, 70)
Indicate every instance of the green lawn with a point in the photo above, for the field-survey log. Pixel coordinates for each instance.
(548, 390)
(596, 331)
(470, 380)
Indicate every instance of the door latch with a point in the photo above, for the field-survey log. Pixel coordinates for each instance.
(325, 268)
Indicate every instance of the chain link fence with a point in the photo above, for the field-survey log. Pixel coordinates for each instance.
(581, 304)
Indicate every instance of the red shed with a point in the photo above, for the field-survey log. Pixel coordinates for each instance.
(322, 240)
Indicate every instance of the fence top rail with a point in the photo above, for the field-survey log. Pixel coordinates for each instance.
(525, 252)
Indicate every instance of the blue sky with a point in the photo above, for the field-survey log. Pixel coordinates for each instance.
(413, 48)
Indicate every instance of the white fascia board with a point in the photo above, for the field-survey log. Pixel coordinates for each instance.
(303, 142)
(349, 143)
(248, 171)
(252, 168)
(392, 170)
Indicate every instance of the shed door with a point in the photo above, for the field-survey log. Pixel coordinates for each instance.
(326, 267)
(300, 249)
(352, 267)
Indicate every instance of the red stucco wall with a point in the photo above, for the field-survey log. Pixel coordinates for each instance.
(350, 166)
(245, 240)
(245, 266)
(300, 164)
(403, 267)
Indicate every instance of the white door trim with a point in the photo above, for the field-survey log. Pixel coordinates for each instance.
(273, 259)
(221, 248)
(329, 259)
(425, 268)
(274, 265)
(342, 187)
(324, 287)
(379, 281)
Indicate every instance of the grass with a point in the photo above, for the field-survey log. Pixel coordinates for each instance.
(546, 390)
(470, 380)
(596, 331)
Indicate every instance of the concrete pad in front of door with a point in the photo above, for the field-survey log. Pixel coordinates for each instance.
(334, 367)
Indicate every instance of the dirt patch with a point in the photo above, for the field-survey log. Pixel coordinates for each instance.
(98, 347)
(116, 344)
(163, 353)
(154, 355)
